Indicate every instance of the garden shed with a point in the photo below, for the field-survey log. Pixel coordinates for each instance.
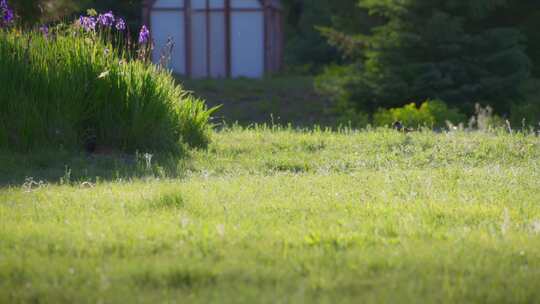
(217, 38)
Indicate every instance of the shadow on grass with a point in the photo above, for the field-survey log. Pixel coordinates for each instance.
(68, 167)
(273, 100)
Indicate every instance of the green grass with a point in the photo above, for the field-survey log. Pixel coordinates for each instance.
(276, 215)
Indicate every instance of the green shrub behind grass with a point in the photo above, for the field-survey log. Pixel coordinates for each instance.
(73, 87)
(432, 113)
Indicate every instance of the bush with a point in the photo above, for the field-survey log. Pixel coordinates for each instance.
(353, 119)
(70, 86)
(432, 113)
(34, 11)
(429, 49)
(527, 113)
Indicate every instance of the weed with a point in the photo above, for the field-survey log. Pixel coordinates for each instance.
(168, 201)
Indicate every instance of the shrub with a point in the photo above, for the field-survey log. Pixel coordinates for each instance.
(526, 115)
(432, 113)
(353, 119)
(428, 49)
(65, 86)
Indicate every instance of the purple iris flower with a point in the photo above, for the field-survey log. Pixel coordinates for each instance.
(44, 30)
(6, 14)
(120, 24)
(106, 20)
(144, 35)
(88, 23)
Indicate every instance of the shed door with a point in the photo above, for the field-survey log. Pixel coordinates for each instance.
(208, 55)
(247, 39)
(167, 21)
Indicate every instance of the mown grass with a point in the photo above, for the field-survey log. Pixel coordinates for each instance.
(276, 215)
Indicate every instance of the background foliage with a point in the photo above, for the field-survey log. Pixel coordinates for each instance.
(432, 113)
(437, 49)
(382, 54)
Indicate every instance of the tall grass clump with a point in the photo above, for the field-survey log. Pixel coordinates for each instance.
(75, 86)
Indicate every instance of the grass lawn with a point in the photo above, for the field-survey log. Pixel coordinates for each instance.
(275, 215)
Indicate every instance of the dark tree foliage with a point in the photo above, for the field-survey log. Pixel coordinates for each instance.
(305, 45)
(525, 15)
(442, 49)
(30, 12)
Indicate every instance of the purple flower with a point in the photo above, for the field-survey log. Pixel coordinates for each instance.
(120, 24)
(88, 23)
(144, 35)
(6, 14)
(44, 30)
(106, 20)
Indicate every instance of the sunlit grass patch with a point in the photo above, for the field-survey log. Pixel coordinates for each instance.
(375, 216)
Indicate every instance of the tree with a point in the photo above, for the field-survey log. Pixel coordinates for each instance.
(305, 45)
(43, 11)
(46, 11)
(430, 49)
(525, 15)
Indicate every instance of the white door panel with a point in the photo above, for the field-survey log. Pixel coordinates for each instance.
(165, 24)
